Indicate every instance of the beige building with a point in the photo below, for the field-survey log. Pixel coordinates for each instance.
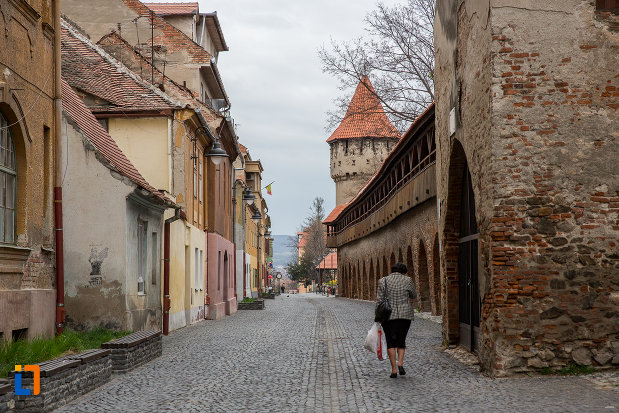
(29, 83)
(187, 58)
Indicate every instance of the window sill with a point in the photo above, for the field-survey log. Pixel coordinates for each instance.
(141, 294)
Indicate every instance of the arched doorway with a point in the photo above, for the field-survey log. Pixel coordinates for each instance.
(468, 287)
(371, 280)
(436, 270)
(424, 281)
(459, 255)
(366, 282)
(385, 271)
(226, 277)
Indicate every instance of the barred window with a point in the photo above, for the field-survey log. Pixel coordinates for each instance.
(8, 180)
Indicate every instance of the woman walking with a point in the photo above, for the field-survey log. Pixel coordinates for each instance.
(399, 290)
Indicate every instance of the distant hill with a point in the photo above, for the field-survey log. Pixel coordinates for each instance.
(283, 249)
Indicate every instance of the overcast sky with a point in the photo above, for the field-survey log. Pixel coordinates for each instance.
(279, 94)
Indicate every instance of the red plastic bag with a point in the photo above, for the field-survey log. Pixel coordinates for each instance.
(381, 350)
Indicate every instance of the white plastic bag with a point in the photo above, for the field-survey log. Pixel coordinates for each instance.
(376, 342)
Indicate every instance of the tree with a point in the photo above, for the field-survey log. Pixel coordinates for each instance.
(397, 55)
(314, 245)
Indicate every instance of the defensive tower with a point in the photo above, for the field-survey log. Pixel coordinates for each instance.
(360, 143)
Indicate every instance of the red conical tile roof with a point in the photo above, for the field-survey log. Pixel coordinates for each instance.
(365, 117)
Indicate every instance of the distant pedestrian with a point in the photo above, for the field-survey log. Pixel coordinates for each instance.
(400, 289)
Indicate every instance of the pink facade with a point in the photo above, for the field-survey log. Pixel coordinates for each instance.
(220, 276)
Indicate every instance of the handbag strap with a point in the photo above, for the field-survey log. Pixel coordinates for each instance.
(386, 292)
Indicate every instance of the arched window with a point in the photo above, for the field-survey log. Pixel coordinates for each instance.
(8, 181)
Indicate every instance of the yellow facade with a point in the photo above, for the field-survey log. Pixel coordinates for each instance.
(145, 141)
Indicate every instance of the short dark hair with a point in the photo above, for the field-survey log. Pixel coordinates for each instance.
(399, 267)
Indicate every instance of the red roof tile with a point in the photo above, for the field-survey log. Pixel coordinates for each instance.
(334, 214)
(167, 9)
(172, 38)
(365, 117)
(329, 262)
(90, 69)
(429, 111)
(77, 111)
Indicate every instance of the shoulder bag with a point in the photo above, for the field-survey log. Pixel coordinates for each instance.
(383, 308)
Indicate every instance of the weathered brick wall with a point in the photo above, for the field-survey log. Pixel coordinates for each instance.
(554, 232)
(536, 88)
(364, 261)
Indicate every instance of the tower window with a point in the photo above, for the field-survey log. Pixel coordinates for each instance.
(346, 146)
(353, 162)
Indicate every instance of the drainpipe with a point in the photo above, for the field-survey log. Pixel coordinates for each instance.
(234, 229)
(60, 310)
(166, 270)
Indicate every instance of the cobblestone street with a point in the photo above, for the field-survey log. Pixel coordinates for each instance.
(305, 353)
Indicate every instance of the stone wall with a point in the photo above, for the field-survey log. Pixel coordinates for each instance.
(6, 397)
(354, 161)
(410, 238)
(254, 305)
(130, 352)
(535, 92)
(65, 379)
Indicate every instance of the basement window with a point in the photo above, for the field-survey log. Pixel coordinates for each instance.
(20, 334)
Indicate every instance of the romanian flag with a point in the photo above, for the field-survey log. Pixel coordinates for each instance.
(269, 189)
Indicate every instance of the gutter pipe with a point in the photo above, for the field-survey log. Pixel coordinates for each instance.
(60, 310)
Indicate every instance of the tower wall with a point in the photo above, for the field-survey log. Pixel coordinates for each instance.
(354, 161)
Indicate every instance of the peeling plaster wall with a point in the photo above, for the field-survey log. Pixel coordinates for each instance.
(143, 310)
(95, 241)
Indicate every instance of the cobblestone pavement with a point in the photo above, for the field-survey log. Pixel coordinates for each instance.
(305, 353)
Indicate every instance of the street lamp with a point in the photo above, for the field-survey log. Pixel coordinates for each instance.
(256, 217)
(248, 196)
(217, 154)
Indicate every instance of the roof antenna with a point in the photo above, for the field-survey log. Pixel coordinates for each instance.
(152, 47)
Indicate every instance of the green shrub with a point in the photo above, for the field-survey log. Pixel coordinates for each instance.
(41, 349)
(569, 370)
(248, 300)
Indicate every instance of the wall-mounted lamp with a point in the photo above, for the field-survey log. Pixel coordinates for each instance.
(248, 196)
(217, 154)
(256, 217)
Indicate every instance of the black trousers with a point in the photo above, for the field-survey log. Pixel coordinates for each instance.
(396, 331)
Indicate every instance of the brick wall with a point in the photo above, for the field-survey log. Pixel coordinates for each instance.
(410, 238)
(535, 90)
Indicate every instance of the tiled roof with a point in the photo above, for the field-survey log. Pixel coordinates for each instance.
(90, 69)
(365, 117)
(167, 9)
(429, 111)
(169, 36)
(334, 214)
(75, 108)
(329, 262)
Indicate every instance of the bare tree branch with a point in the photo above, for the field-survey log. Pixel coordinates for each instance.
(398, 56)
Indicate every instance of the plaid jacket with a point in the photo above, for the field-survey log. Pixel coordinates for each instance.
(400, 289)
